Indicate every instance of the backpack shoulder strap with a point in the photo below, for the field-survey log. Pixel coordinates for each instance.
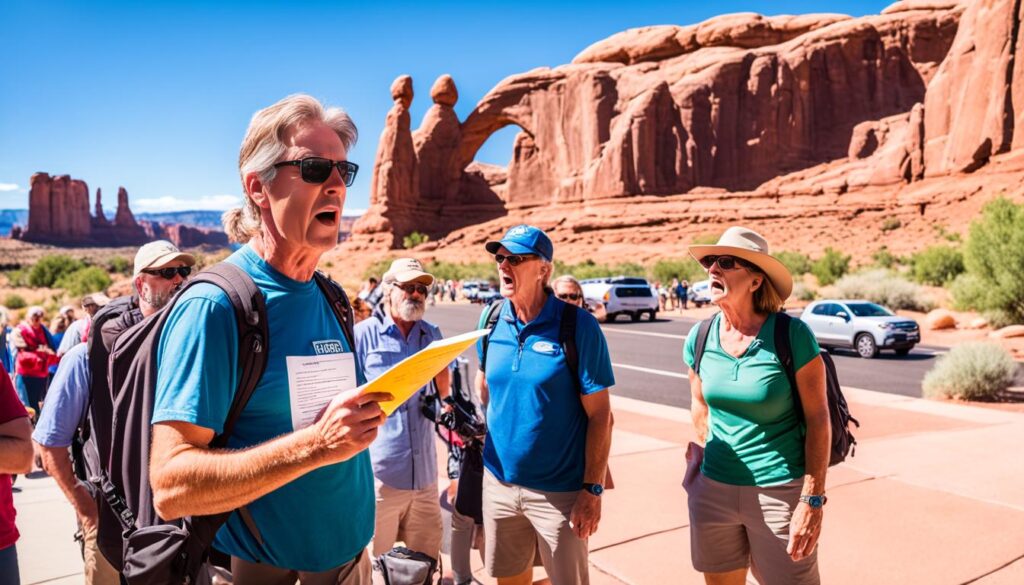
(702, 339)
(340, 304)
(784, 351)
(253, 335)
(567, 339)
(491, 315)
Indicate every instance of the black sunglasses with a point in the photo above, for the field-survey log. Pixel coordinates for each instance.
(414, 288)
(726, 262)
(168, 273)
(569, 296)
(315, 169)
(513, 259)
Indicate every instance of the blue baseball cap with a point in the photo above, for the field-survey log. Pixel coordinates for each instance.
(524, 239)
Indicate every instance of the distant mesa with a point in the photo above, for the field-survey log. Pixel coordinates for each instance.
(59, 214)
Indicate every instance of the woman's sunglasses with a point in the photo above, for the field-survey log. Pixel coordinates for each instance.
(513, 259)
(168, 273)
(413, 288)
(725, 262)
(316, 170)
(569, 296)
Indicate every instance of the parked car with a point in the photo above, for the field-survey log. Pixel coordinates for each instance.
(700, 293)
(861, 325)
(487, 293)
(622, 295)
(470, 289)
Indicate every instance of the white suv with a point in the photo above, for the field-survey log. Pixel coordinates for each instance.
(622, 295)
(862, 325)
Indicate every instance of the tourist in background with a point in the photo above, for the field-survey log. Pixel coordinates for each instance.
(15, 457)
(79, 330)
(35, 353)
(6, 352)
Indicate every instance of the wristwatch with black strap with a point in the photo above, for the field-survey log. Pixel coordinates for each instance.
(593, 488)
(814, 501)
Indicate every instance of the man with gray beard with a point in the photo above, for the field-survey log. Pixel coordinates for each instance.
(404, 454)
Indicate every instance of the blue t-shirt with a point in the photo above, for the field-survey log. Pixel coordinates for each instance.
(66, 400)
(318, 521)
(536, 424)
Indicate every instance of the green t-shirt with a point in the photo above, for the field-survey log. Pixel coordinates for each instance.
(755, 436)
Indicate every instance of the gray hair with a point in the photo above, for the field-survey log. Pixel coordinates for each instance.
(566, 278)
(264, 144)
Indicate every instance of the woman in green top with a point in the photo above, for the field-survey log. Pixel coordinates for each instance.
(756, 501)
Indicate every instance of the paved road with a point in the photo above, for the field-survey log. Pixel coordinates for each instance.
(648, 358)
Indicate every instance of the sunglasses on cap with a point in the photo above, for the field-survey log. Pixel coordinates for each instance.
(725, 262)
(569, 296)
(316, 170)
(513, 259)
(168, 273)
(413, 287)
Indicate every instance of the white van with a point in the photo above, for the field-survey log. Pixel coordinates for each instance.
(622, 295)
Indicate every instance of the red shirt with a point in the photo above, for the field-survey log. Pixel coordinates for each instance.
(10, 409)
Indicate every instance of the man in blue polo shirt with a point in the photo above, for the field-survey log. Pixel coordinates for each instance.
(549, 430)
(404, 454)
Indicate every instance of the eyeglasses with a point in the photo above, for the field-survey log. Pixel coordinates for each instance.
(726, 262)
(513, 259)
(168, 273)
(569, 296)
(413, 288)
(316, 170)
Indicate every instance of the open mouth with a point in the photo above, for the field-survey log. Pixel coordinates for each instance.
(329, 217)
(506, 280)
(717, 286)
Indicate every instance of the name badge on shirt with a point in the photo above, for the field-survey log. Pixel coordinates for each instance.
(327, 346)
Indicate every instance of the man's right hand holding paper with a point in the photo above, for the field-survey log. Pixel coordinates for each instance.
(348, 424)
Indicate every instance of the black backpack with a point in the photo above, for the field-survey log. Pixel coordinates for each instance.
(156, 551)
(566, 335)
(843, 442)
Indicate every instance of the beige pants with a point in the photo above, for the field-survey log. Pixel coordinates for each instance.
(97, 569)
(519, 521)
(355, 572)
(410, 516)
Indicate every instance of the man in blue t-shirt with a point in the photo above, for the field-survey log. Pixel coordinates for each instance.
(549, 432)
(296, 466)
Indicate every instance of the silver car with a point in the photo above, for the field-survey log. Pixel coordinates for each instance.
(861, 325)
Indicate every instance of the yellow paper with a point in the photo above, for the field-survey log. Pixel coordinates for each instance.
(414, 372)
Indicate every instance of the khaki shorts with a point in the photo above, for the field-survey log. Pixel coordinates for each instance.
(519, 521)
(355, 572)
(411, 516)
(733, 527)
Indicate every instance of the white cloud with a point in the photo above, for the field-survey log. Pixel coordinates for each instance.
(9, 187)
(169, 203)
(352, 212)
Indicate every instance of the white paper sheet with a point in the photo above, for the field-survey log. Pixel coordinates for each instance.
(313, 381)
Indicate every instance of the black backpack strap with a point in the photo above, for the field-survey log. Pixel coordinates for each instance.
(784, 351)
(339, 303)
(567, 339)
(491, 315)
(702, 339)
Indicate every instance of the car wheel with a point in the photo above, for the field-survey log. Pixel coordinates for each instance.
(652, 315)
(866, 347)
(610, 317)
(634, 316)
(903, 351)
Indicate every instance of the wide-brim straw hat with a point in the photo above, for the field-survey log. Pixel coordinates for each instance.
(751, 246)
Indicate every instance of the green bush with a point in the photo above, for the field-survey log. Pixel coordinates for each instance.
(971, 371)
(937, 265)
(802, 293)
(883, 258)
(120, 265)
(994, 262)
(795, 262)
(13, 301)
(468, 271)
(886, 289)
(704, 240)
(414, 239)
(50, 269)
(830, 267)
(84, 281)
(665, 270)
(378, 268)
(891, 223)
(17, 277)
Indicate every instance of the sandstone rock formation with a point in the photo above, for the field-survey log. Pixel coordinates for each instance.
(59, 214)
(940, 319)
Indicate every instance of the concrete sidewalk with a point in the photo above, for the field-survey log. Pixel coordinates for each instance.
(935, 495)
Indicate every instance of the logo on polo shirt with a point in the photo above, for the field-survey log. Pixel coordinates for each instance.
(327, 346)
(545, 347)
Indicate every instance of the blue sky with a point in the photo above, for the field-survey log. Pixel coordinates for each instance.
(156, 96)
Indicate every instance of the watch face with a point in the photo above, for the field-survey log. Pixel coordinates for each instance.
(596, 489)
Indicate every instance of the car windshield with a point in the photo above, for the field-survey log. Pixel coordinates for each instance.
(869, 310)
(630, 280)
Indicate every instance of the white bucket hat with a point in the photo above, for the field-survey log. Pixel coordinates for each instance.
(751, 246)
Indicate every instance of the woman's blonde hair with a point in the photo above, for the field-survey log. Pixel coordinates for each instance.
(264, 144)
(766, 298)
(567, 278)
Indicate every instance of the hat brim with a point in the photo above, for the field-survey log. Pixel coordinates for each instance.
(776, 271)
(163, 261)
(514, 247)
(407, 276)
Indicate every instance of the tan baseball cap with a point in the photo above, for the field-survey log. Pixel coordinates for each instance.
(406, 270)
(159, 254)
(98, 299)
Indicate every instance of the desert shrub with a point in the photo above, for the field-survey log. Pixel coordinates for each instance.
(802, 292)
(937, 265)
(994, 262)
(17, 277)
(50, 269)
(704, 239)
(84, 281)
(971, 371)
(120, 265)
(886, 289)
(883, 258)
(378, 268)
(795, 262)
(414, 239)
(683, 268)
(13, 301)
(941, 232)
(467, 271)
(891, 223)
(830, 267)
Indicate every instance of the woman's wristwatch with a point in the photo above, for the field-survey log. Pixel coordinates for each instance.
(814, 501)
